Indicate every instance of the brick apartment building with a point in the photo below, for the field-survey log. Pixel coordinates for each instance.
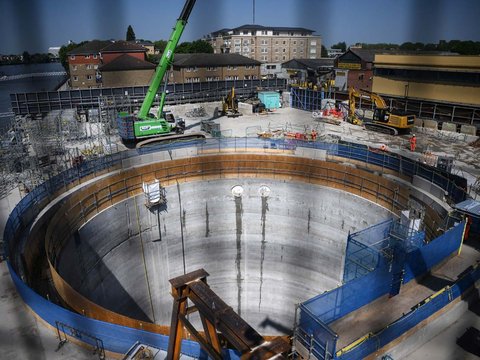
(86, 62)
(191, 68)
(267, 44)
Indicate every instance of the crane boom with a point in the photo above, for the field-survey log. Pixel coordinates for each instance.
(164, 64)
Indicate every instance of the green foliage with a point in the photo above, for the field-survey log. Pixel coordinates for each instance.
(26, 57)
(160, 45)
(197, 46)
(380, 46)
(454, 46)
(64, 50)
(341, 45)
(130, 34)
(324, 51)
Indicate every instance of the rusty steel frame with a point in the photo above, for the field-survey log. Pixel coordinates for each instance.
(216, 316)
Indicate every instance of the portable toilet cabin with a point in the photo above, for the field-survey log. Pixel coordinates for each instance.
(271, 99)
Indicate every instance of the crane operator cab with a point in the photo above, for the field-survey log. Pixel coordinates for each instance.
(178, 125)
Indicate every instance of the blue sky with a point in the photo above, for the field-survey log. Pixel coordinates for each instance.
(34, 25)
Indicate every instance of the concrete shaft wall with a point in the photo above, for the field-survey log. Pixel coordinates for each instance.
(264, 253)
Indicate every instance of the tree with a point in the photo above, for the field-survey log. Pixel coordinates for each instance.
(64, 50)
(198, 46)
(201, 46)
(26, 57)
(324, 51)
(341, 45)
(130, 33)
(160, 45)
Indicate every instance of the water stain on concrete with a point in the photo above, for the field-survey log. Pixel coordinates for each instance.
(238, 259)
(263, 220)
(207, 222)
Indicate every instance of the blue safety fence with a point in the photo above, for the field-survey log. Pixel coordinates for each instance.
(401, 255)
(417, 314)
(337, 302)
(115, 338)
(314, 336)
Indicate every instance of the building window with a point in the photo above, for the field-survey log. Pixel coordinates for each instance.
(89, 77)
(190, 69)
(313, 43)
(254, 77)
(264, 58)
(249, 67)
(294, 43)
(95, 66)
(361, 76)
(237, 41)
(246, 50)
(74, 67)
(301, 42)
(276, 42)
(192, 79)
(284, 57)
(75, 78)
(89, 67)
(87, 56)
(284, 42)
(264, 32)
(276, 58)
(264, 42)
(211, 68)
(271, 67)
(209, 78)
(246, 42)
(72, 57)
(284, 50)
(95, 56)
(294, 50)
(313, 51)
(264, 50)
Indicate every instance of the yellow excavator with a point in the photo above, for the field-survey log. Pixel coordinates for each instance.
(383, 120)
(230, 105)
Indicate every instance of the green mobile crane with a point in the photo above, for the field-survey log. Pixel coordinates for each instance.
(144, 124)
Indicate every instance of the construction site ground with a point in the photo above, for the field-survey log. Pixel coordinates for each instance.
(25, 337)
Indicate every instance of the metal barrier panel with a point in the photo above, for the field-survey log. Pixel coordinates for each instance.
(341, 301)
(422, 259)
(420, 312)
(313, 338)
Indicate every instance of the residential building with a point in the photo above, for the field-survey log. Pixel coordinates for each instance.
(267, 44)
(309, 70)
(192, 68)
(449, 78)
(150, 46)
(127, 70)
(85, 61)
